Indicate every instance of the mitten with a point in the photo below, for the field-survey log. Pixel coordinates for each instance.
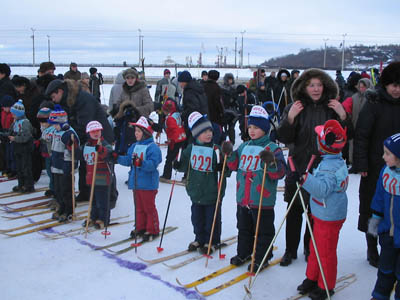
(267, 156)
(65, 127)
(114, 155)
(137, 161)
(297, 177)
(226, 148)
(373, 224)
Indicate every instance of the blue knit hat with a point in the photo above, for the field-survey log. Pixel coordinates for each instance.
(58, 116)
(18, 109)
(184, 76)
(393, 144)
(7, 101)
(259, 117)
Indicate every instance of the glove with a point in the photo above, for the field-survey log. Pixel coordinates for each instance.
(98, 148)
(226, 148)
(36, 143)
(297, 177)
(65, 127)
(219, 167)
(137, 161)
(114, 155)
(175, 165)
(373, 224)
(267, 156)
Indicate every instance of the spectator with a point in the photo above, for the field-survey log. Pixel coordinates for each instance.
(73, 72)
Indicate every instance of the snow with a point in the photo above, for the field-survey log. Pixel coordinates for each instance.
(35, 267)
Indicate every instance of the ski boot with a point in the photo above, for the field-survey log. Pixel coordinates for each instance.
(320, 294)
(148, 237)
(137, 233)
(307, 286)
(238, 260)
(193, 246)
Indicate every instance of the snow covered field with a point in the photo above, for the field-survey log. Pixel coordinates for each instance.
(35, 267)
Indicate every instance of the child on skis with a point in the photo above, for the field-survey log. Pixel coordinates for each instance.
(22, 139)
(6, 122)
(202, 161)
(61, 161)
(96, 143)
(249, 161)
(175, 134)
(328, 201)
(386, 221)
(143, 157)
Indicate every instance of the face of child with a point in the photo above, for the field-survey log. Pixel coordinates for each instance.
(390, 159)
(138, 134)
(255, 132)
(95, 134)
(206, 136)
(44, 125)
(57, 127)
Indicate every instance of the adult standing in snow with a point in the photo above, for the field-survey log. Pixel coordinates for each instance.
(378, 119)
(282, 89)
(229, 98)
(116, 91)
(95, 81)
(73, 72)
(165, 88)
(6, 86)
(315, 103)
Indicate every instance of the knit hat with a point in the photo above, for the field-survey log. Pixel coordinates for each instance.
(167, 71)
(184, 76)
(331, 137)
(7, 101)
(213, 74)
(198, 124)
(391, 74)
(45, 66)
(393, 144)
(259, 117)
(43, 114)
(18, 109)
(54, 86)
(73, 64)
(130, 73)
(92, 70)
(143, 124)
(85, 75)
(204, 72)
(93, 126)
(58, 116)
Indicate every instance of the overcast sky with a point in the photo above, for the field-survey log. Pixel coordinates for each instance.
(107, 31)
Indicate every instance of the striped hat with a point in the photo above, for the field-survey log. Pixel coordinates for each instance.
(58, 116)
(393, 144)
(18, 109)
(198, 123)
(43, 113)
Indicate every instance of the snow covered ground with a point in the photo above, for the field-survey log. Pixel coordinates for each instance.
(35, 267)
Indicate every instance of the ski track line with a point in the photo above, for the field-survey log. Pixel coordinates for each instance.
(138, 267)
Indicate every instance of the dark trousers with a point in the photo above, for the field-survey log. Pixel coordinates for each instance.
(57, 179)
(83, 187)
(100, 207)
(246, 224)
(294, 220)
(202, 219)
(171, 156)
(48, 171)
(67, 193)
(10, 160)
(23, 161)
(388, 270)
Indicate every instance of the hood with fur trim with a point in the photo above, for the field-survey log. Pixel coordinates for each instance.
(127, 105)
(73, 88)
(298, 90)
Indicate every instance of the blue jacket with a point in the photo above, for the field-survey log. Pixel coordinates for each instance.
(386, 203)
(327, 187)
(147, 173)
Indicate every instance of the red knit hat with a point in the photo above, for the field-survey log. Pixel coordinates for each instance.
(331, 137)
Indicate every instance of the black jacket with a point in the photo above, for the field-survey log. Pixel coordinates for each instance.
(213, 93)
(7, 88)
(194, 99)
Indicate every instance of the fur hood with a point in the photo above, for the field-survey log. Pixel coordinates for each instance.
(73, 89)
(125, 105)
(298, 90)
(281, 71)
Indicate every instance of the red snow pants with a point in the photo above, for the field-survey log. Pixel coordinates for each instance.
(146, 211)
(326, 234)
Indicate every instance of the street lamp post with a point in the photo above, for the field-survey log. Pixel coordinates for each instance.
(241, 53)
(140, 46)
(48, 46)
(33, 46)
(325, 40)
(344, 36)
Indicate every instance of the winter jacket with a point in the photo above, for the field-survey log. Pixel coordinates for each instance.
(94, 86)
(165, 88)
(282, 90)
(6, 119)
(102, 169)
(250, 169)
(202, 163)
(213, 93)
(22, 132)
(228, 93)
(116, 90)
(72, 75)
(327, 187)
(147, 174)
(174, 127)
(194, 99)
(83, 108)
(139, 96)
(45, 144)
(84, 86)
(300, 136)
(386, 203)
(7, 88)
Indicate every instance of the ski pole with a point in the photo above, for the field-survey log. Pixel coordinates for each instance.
(96, 156)
(159, 248)
(279, 229)
(107, 216)
(134, 200)
(221, 179)
(290, 159)
(258, 224)
(73, 175)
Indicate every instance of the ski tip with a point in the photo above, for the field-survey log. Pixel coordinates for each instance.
(178, 282)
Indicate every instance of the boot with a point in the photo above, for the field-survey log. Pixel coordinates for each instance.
(307, 286)
(258, 265)
(17, 188)
(238, 260)
(193, 246)
(148, 237)
(320, 294)
(137, 233)
(99, 224)
(372, 252)
(287, 258)
(204, 249)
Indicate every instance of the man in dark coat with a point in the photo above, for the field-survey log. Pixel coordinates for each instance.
(282, 89)
(6, 86)
(95, 80)
(378, 119)
(73, 72)
(82, 108)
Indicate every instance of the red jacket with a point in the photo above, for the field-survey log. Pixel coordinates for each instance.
(174, 128)
(6, 119)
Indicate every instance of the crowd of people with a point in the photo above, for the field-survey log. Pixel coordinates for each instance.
(331, 127)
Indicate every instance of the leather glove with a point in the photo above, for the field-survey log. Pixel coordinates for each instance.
(373, 224)
(226, 148)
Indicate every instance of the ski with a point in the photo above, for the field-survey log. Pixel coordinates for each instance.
(194, 258)
(26, 200)
(5, 179)
(28, 215)
(171, 181)
(140, 243)
(175, 255)
(235, 280)
(45, 226)
(14, 194)
(341, 283)
(207, 277)
(32, 224)
(28, 207)
(280, 189)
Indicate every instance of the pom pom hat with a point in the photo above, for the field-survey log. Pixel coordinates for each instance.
(144, 125)
(259, 117)
(331, 137)
(43, 114)
(93, 126)
(198, 124)
(18, 109)
(393, 144)
(58, 116)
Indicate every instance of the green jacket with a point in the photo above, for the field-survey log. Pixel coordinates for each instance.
(202, 186)
(246, 161)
